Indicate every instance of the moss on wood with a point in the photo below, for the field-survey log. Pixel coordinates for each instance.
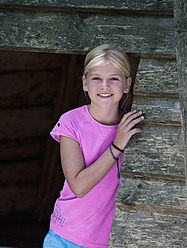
(68, 32)
(97, 4)
(157, 76)
(158, 109)
(132, 228)
(169, 195)
(181, 51)
(158, 150)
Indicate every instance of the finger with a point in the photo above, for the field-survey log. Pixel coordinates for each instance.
(134, 131)
(131, 117)
(133, 122)
(126, 116)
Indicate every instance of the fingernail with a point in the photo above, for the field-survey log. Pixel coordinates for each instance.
(134, 110)
(140, 112)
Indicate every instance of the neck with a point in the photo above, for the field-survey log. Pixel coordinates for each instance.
(106, 116)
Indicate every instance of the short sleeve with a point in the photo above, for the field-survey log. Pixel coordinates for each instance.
(65, 127)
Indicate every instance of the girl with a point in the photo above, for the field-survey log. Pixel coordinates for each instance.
(92, 141)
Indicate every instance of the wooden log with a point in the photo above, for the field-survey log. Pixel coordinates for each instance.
(168, 197)
(133, 228)
(21, 172)
(157, 76)
(25, 123)
(163, 6)
(69, 32)
(181, 51)
(22, 148)
(29, 88)
(158, 109)
(27, 61)
(157, 151)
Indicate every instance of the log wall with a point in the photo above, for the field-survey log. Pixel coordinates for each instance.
(152, 195)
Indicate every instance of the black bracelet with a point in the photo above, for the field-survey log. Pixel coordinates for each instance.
(120, 150)
(116, 160)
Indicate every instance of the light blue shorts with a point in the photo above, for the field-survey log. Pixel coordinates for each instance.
(52, 240)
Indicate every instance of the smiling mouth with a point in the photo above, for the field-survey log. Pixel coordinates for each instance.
(105, 95)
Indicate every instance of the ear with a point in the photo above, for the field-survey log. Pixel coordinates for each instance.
(127, 85)
(84, 83)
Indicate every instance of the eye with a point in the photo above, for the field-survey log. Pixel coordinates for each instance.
(96, 78)
(114, 79)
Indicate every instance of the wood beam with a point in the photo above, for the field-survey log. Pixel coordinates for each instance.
(180, 17)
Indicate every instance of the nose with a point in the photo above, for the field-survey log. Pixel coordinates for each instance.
(105, 84)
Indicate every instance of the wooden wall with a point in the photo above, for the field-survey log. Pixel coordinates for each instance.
(152, 196)
(152, 199)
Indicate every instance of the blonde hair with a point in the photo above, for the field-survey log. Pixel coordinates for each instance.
(108, 53)
(105, 53)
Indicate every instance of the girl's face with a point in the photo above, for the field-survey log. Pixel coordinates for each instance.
(105, 85)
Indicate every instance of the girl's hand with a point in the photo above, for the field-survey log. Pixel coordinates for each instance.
(125, 128)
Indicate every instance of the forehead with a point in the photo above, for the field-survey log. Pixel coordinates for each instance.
(106, 68)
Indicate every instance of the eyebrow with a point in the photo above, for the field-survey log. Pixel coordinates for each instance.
(116, 74)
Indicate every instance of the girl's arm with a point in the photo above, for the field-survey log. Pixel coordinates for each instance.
(81, 179)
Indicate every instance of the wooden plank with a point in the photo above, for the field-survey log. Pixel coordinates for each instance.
(158, 109)
(68, 32)
(21, 172)
(164, 196)
(22, 148)
(17, 199)
(28, 88)
(132, 228)
(29, 61)
(96, 4)
(157, 151)
(181, 51)
(25, 123)
(157, 76)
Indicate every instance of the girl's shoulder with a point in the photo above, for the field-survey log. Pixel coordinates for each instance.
(74, 114)
(68, 124)
(76, 111)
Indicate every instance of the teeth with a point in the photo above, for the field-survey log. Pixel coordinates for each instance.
(105, 95)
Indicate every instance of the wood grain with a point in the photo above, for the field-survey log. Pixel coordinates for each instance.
(158, 108)
(158, 150)
(68, 32)
(171, 196)
(181, 51)
(157, 76)
(96, 4)
(133, 228)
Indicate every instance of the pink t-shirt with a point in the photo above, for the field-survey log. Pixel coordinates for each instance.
(86, 221)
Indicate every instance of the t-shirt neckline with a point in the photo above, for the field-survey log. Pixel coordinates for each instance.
(98, 123)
